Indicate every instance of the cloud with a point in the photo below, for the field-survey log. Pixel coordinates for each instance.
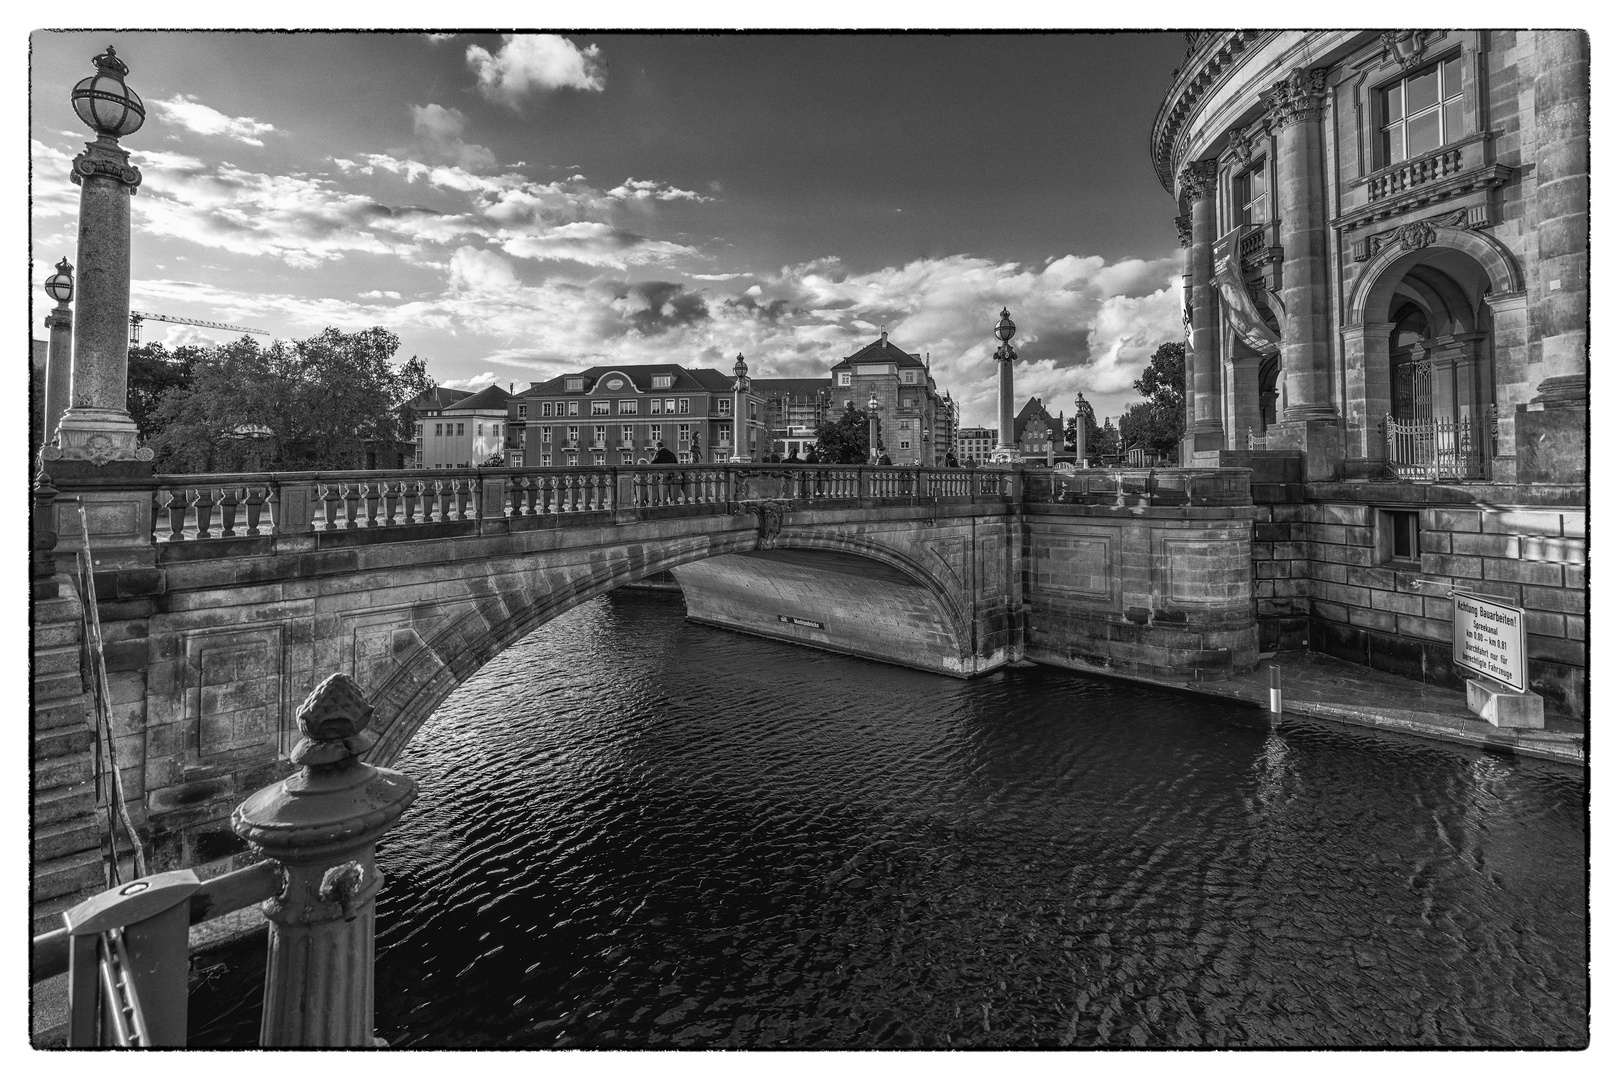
(528, 63)
(439, 39)
(191, 114)
(657, 307)
(593, 243)
(472, 269)
(438, 131)
(475, 382)
(633, 190)
(380, 294)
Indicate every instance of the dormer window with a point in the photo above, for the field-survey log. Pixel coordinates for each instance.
(575, 385)
(662, 382)
(1422, 112)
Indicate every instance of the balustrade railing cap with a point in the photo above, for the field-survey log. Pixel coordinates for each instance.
(335, 801)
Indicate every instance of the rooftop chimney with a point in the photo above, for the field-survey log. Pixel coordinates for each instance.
(884, 337)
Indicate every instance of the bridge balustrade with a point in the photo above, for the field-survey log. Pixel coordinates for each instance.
(231, 506)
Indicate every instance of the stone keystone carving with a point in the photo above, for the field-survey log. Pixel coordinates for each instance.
(1418, 234)
(1298, 96)
(1197, 179)
(769, 512)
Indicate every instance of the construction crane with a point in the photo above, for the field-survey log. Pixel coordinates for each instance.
(138, 317)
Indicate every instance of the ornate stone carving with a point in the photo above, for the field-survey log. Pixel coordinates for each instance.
(769, 512)
(1418, 234)
(1297, 97)
(1197, 179)
(1183, 229)
(1406, 46)
(106, 158)
(1242, 151)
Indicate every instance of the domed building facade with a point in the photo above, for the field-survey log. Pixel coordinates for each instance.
(1386, 260)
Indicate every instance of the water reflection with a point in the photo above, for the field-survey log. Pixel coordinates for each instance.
(636, 832)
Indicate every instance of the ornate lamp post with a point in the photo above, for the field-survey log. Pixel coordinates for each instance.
(59, 361)
(1080, 406)
(739, 390)
(96, 425)
(874, 412)
(1006, 450)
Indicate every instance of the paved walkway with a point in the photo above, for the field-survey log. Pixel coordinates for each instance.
(1325, 688)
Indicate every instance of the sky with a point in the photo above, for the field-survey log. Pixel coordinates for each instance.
(517, 206)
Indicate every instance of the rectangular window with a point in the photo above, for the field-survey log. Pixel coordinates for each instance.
(418, 459)
(1423, 112)
(685, 432)
(908, 376)
(437, 466)
(685, 406)
(601, 408)
(601, 435)
(522, 412)
(725, 406)
(545, 434)
(905, 444)
(480, 427)
(573, 408)
(657, 432)
(573, 458)
(575, 385)
(629, 434)
(573, 433)
(438, 430)
(1399, 537)
(545, 461)
(905, 425)
(662, 382)
(460, 429)
(1253, 189)
(655, 406)
(669, 405)
(496, 432)
(725, 433)
(628, 408)
(418, 431)
(601, 459)
(843, 378)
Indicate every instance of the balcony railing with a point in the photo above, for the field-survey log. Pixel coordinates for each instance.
(1447, 161)
(1442, 449)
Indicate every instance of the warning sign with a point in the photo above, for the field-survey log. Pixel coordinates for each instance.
(1488, 639)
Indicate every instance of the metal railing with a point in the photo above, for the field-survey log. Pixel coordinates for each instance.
(1442, 448)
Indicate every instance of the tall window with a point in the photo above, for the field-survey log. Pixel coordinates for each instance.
(1422, 112)
(573, 408)
(1253, 188)
(685, 405)
(601, 435)
(522, 412)
(573, 433)
(725, 407)
(656, 406)
(685, 432)
(843, 378)
(629, 434)
(669, 405)
(545, 434)
(460, 429)
(657, 432)
(438, 429)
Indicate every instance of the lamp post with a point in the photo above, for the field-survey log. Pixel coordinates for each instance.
(1080, 406)
(874, 410)
(96, 425)
(739, 390)
(59, 361)
(1005, 450)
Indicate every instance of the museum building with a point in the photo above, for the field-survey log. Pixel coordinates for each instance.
(1386, 257)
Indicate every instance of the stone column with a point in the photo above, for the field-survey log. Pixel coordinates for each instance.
(322, 825)
(96, 424)
(1204, 430)
(1004, 357)
(59, 362)
(1309, 419)
(1550, 431)
(1245, 414)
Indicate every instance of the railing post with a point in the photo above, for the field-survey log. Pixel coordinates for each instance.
(44, 540)
(322, 825)
(492, 498)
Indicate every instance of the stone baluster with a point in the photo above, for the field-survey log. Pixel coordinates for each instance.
(253, 501)
(390, 502)
(351, 504)
(407, 501)
(329, 499)
(202, 503)
(229, 500)
(443, 490)
(321, 825)
(174, 503)
(371, 496)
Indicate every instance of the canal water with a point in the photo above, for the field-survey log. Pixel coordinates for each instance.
(638, 832)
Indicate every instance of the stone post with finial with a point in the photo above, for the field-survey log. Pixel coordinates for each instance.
(322, 824)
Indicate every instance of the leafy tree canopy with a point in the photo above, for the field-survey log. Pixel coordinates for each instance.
(844, 441)
(1158, 423)
(320, 403)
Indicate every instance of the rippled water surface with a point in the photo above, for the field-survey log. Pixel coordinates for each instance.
(633, 831)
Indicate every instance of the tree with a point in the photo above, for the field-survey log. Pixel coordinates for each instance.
(153, 372)
(1163, 384)
(322, 403)
(1107, 440)
(844, 441)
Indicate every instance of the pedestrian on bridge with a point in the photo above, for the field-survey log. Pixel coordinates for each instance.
(664, 456)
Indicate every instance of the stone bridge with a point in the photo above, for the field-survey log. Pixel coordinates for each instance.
(223, 600)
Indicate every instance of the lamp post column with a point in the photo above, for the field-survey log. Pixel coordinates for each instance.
(874, 409)
(1203, 429)
(1005, 356)
(59, 361)
(96, 425)
(739, 392)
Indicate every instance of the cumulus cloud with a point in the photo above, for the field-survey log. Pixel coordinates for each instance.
(191, 114)
(657, 307)
(475, 382)
(439, 39)
(633, 190)
(592, 243)
(380, 294)
(528, 63)
(475, 270)
(438, 131)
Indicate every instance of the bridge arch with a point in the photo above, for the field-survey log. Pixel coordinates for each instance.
(529, 600)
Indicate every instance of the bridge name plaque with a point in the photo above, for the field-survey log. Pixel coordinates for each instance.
(791, 621)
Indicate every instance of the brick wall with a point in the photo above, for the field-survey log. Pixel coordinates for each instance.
(1395, 616)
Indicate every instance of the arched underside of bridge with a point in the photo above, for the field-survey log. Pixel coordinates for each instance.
(847, 593)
